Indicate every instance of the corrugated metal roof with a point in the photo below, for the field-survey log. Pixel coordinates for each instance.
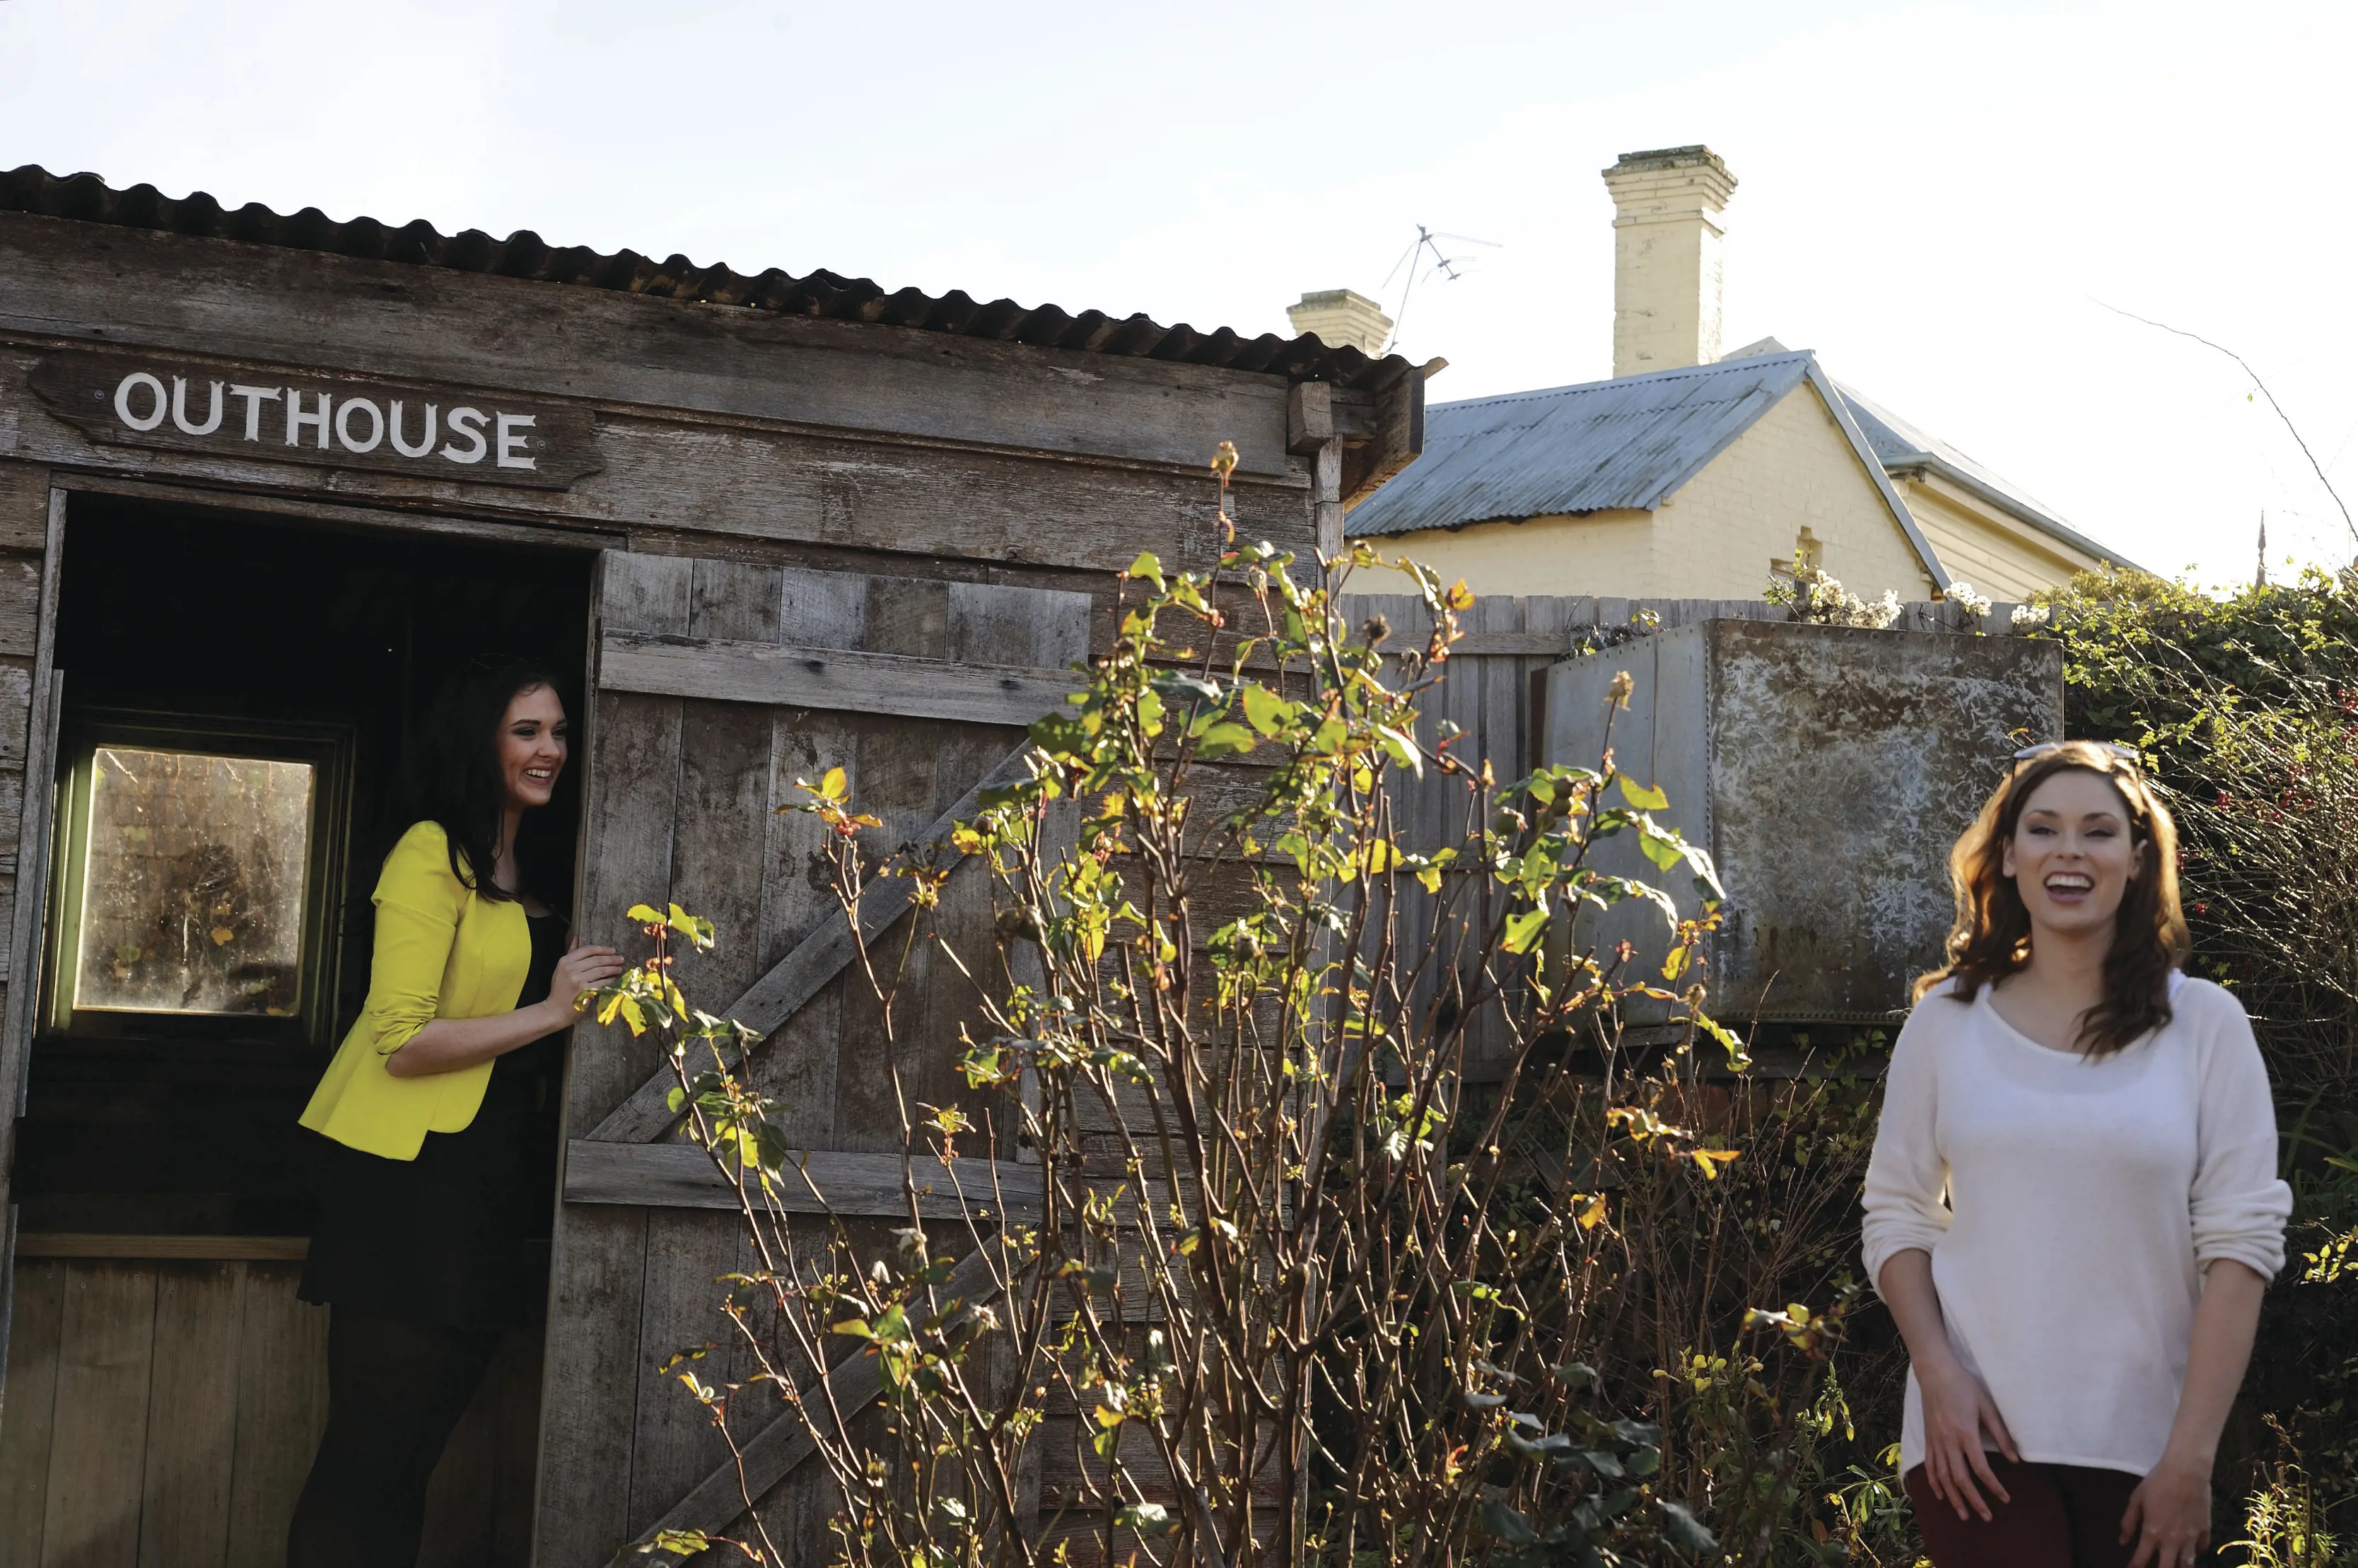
(1901, 448)
(525, 254)
(1600, 446)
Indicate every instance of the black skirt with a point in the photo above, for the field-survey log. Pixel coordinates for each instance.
(459, 1234)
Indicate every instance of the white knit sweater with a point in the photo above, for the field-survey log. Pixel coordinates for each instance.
(2070, 1206)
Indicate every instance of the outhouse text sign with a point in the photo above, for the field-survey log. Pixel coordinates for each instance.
(334, 421)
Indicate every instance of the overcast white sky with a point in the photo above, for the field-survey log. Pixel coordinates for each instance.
(1932, 196)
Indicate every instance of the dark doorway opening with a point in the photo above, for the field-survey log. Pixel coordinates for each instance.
(159, 1153)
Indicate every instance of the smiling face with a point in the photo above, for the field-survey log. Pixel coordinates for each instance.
(532, 746)
(2072, 853)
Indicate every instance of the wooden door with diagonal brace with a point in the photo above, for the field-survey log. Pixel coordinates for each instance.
(719, 685)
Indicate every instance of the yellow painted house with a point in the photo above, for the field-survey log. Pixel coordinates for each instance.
(1693, 475)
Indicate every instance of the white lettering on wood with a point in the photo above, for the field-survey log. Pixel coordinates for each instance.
(255, 396)
(331, 418)
(511, 427)
(122, 400)
(425, 447)
(344, 425)
(180, 408)
(467, 422)
(297, 419)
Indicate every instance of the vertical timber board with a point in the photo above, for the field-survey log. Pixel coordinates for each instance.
(29, 511)
(1499, 722)
(598, 1264)
(282, 1408)
(675, 1445)
(27, 1418)
(816, 609)
(719, 837)
(99, 1435)
(192, 1416)
(681, 807)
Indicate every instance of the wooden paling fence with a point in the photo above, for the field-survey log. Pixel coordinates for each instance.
(1494, 694)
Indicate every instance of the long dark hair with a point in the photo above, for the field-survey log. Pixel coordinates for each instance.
(454, 778)
(1992, 936)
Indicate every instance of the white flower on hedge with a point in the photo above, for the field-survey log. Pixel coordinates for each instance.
(1962, 593)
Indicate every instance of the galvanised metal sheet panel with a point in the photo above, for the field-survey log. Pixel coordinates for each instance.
(1829, 769)
(1603, 446)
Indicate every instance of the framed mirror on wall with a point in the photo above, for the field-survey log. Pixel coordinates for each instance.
(195, 876)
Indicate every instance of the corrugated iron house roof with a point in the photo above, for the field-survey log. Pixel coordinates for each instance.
(525, 255)
(1600, 446)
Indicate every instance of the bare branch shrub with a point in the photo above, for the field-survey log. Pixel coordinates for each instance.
(1222, 1259)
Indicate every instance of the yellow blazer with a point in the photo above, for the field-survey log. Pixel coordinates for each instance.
(441, 952)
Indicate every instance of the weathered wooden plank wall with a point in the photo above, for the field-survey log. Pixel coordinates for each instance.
(1489, 692)
(689, 815)
(163, 1414)
(826, 544)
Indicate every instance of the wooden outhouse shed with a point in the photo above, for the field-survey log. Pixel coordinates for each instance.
(265, 479)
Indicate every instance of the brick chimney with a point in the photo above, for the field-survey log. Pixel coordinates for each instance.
(1339, 317)
(1666, 234)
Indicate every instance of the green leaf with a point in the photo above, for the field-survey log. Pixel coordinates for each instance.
(1524, 930)
(1402, 748)
(1146, 1518)
(1226, 741)
(1659, 848)
(1683, 1531)
(681, 1542)
(1643, 797)
(1264, 710)
(1147, 566)
(1737, 1056)
(1506, 1524)
(642, 915)
(695, 928)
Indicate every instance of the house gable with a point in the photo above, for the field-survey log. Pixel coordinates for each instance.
(1793, 467)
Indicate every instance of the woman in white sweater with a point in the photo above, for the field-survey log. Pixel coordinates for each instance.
(2073, 1207)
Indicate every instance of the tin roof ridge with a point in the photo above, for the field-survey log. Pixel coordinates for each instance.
(88, 198)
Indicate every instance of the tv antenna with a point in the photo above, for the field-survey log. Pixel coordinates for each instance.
(1448, 268)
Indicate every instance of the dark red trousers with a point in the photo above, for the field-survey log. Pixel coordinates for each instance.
(2063, 1516)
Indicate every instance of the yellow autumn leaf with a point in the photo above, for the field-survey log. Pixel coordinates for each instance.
(1594, 1215)
(831, 786)
(1711, 1159)
(1459, 596)
(223, 935)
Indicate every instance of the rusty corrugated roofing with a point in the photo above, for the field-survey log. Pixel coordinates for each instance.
(525, 255)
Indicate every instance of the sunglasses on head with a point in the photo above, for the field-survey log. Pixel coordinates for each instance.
(2126, 756)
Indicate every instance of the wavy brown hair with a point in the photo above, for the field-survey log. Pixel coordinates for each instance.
(1992, 936)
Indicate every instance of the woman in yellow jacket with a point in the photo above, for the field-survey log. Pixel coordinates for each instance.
(439, 1115)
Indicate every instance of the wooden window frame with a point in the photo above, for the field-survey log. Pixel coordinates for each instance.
(328, 747)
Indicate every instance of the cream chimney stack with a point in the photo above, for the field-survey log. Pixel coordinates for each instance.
(1338, 317)
(1666, 236)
